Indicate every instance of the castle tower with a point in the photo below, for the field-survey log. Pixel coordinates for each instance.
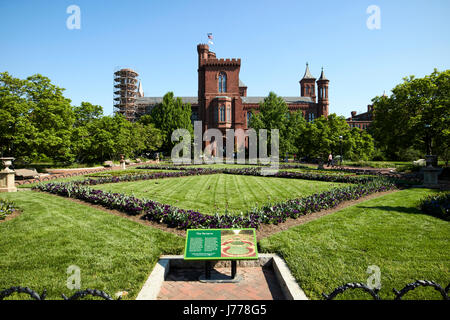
(322, 88)
(308, 85)
(219, 91)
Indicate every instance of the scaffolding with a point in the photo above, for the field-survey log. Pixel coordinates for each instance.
(125, 93)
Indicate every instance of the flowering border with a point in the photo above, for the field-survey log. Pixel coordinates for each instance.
(186, 219)
(7, 207)
(243, 171)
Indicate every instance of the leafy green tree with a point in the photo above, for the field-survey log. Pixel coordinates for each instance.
(86, 113)
(332, 134)
(168, 116)
(38, 123)
(294, 132)
(417, 108)
(273, 114)
(36, 119)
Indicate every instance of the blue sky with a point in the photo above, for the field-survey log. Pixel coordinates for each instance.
(274, 39)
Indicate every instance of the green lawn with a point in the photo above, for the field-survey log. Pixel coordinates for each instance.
(387, 231)
(52, 233)
(219, 192)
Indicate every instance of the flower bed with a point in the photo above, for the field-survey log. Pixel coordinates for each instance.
(437, 205)
(241, 171)
(301, 175)
(145, 176)
(6, 207)
(186, 219)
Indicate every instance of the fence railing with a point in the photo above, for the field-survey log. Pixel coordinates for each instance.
(398, 294)
(36, 296)
(339, 290)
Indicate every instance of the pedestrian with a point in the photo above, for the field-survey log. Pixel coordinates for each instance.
(330, 160)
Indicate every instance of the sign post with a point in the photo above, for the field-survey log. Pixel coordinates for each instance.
(220, 244)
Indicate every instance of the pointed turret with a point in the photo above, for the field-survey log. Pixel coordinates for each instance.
(308, 85)
(322, 76)
(140, 90)
(308, 74)
(322, 87)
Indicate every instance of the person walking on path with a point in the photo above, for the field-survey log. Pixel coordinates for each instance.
(330, 160)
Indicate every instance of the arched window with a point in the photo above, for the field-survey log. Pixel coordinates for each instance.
(249, 116)
(222, 113)
(216, 116)
(222, 82)
(307, 90)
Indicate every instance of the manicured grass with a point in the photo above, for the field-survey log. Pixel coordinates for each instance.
(388, 231)
(52, 233)
(219, 192)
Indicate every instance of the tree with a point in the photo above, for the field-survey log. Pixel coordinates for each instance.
(86, 113)
(38, 123)
(417, 108)
(168, 116)
(36, 120)
(273, 114)
(294, 132)
(323, 135)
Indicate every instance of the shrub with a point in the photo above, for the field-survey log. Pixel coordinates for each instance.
(437, 205)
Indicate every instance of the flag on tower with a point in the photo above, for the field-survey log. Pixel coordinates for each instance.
(210, 38)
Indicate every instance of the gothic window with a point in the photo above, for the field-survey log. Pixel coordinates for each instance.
(249, 116)
(228, 114)
(222, 82)
(222, 113)
(307, 90)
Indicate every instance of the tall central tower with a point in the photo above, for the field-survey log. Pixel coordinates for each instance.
(220, 103)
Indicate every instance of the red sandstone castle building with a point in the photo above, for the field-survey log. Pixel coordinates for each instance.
(222, 100)
(362, 120)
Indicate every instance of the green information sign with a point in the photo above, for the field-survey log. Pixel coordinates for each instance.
(220, 244)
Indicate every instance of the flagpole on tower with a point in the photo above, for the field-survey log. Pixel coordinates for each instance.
(210, 38)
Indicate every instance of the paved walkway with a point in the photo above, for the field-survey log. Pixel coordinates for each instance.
(257, 284)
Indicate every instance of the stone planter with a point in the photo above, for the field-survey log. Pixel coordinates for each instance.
(7, 176)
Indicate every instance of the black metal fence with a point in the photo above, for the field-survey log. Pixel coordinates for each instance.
(398, 294)
(36, 296)
(339, 290)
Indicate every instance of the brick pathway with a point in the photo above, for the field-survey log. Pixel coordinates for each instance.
(257, 284)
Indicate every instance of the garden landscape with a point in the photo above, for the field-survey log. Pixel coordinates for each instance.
(94, 204)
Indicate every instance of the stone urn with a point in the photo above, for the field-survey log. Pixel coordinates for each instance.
(431, 172)
(7, 176)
